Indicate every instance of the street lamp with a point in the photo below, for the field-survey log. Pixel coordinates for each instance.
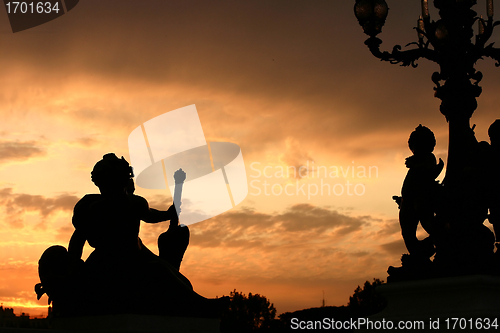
(462, 242)
(371, 15)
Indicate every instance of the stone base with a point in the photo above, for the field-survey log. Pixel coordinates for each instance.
(130, 323)
(435, 300)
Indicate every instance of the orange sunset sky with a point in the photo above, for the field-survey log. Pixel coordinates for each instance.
(289, 81)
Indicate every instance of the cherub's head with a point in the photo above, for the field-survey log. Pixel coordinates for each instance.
(494, 133)
(422, 140)
(112, 173)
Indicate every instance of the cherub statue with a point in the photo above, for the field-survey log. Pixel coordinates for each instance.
(121, 274)
(494, 177)
(418, 194)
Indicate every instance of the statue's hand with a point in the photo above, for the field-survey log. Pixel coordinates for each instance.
(179, 176)
(173, 212)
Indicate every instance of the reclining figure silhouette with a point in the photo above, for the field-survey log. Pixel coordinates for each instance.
(121, 275)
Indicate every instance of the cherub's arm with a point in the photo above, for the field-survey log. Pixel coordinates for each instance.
(78, 239)
(76, 244)
(151, 215)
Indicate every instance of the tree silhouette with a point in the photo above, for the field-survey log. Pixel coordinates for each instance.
(248, 314)
(366, 301)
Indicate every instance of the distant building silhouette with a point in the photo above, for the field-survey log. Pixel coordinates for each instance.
(11, 320)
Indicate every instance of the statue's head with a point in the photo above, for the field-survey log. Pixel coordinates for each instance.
(422, 140)
(112, 173)
(494, 132)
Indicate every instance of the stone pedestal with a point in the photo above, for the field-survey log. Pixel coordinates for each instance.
(435, 302)
(131, 323)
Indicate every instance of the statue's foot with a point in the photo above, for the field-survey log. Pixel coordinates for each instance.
(413, 268)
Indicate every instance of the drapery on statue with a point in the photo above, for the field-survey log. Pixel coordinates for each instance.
(121, 275)
(426, 201)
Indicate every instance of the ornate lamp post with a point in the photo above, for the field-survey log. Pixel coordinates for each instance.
(462, 243)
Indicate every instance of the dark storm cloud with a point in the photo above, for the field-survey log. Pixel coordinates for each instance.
(15, 151)
(302, 217)
(63, 234)
(305, 54)
(16, 204)
(395, 248)
(247, 228)
(389, 227)
(161, 202)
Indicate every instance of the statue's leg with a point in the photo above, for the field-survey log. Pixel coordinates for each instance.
(428, 222)
(494, 216)
(173, 293)
(408, 221)
(152, 260)
(410, 215)
(172, 245)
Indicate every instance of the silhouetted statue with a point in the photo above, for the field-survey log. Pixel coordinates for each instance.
(418, 195)
(454, 212)
(494, 175)
(121, 274)
(419, 198)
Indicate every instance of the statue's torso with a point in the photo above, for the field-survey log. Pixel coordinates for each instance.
(109, 223)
